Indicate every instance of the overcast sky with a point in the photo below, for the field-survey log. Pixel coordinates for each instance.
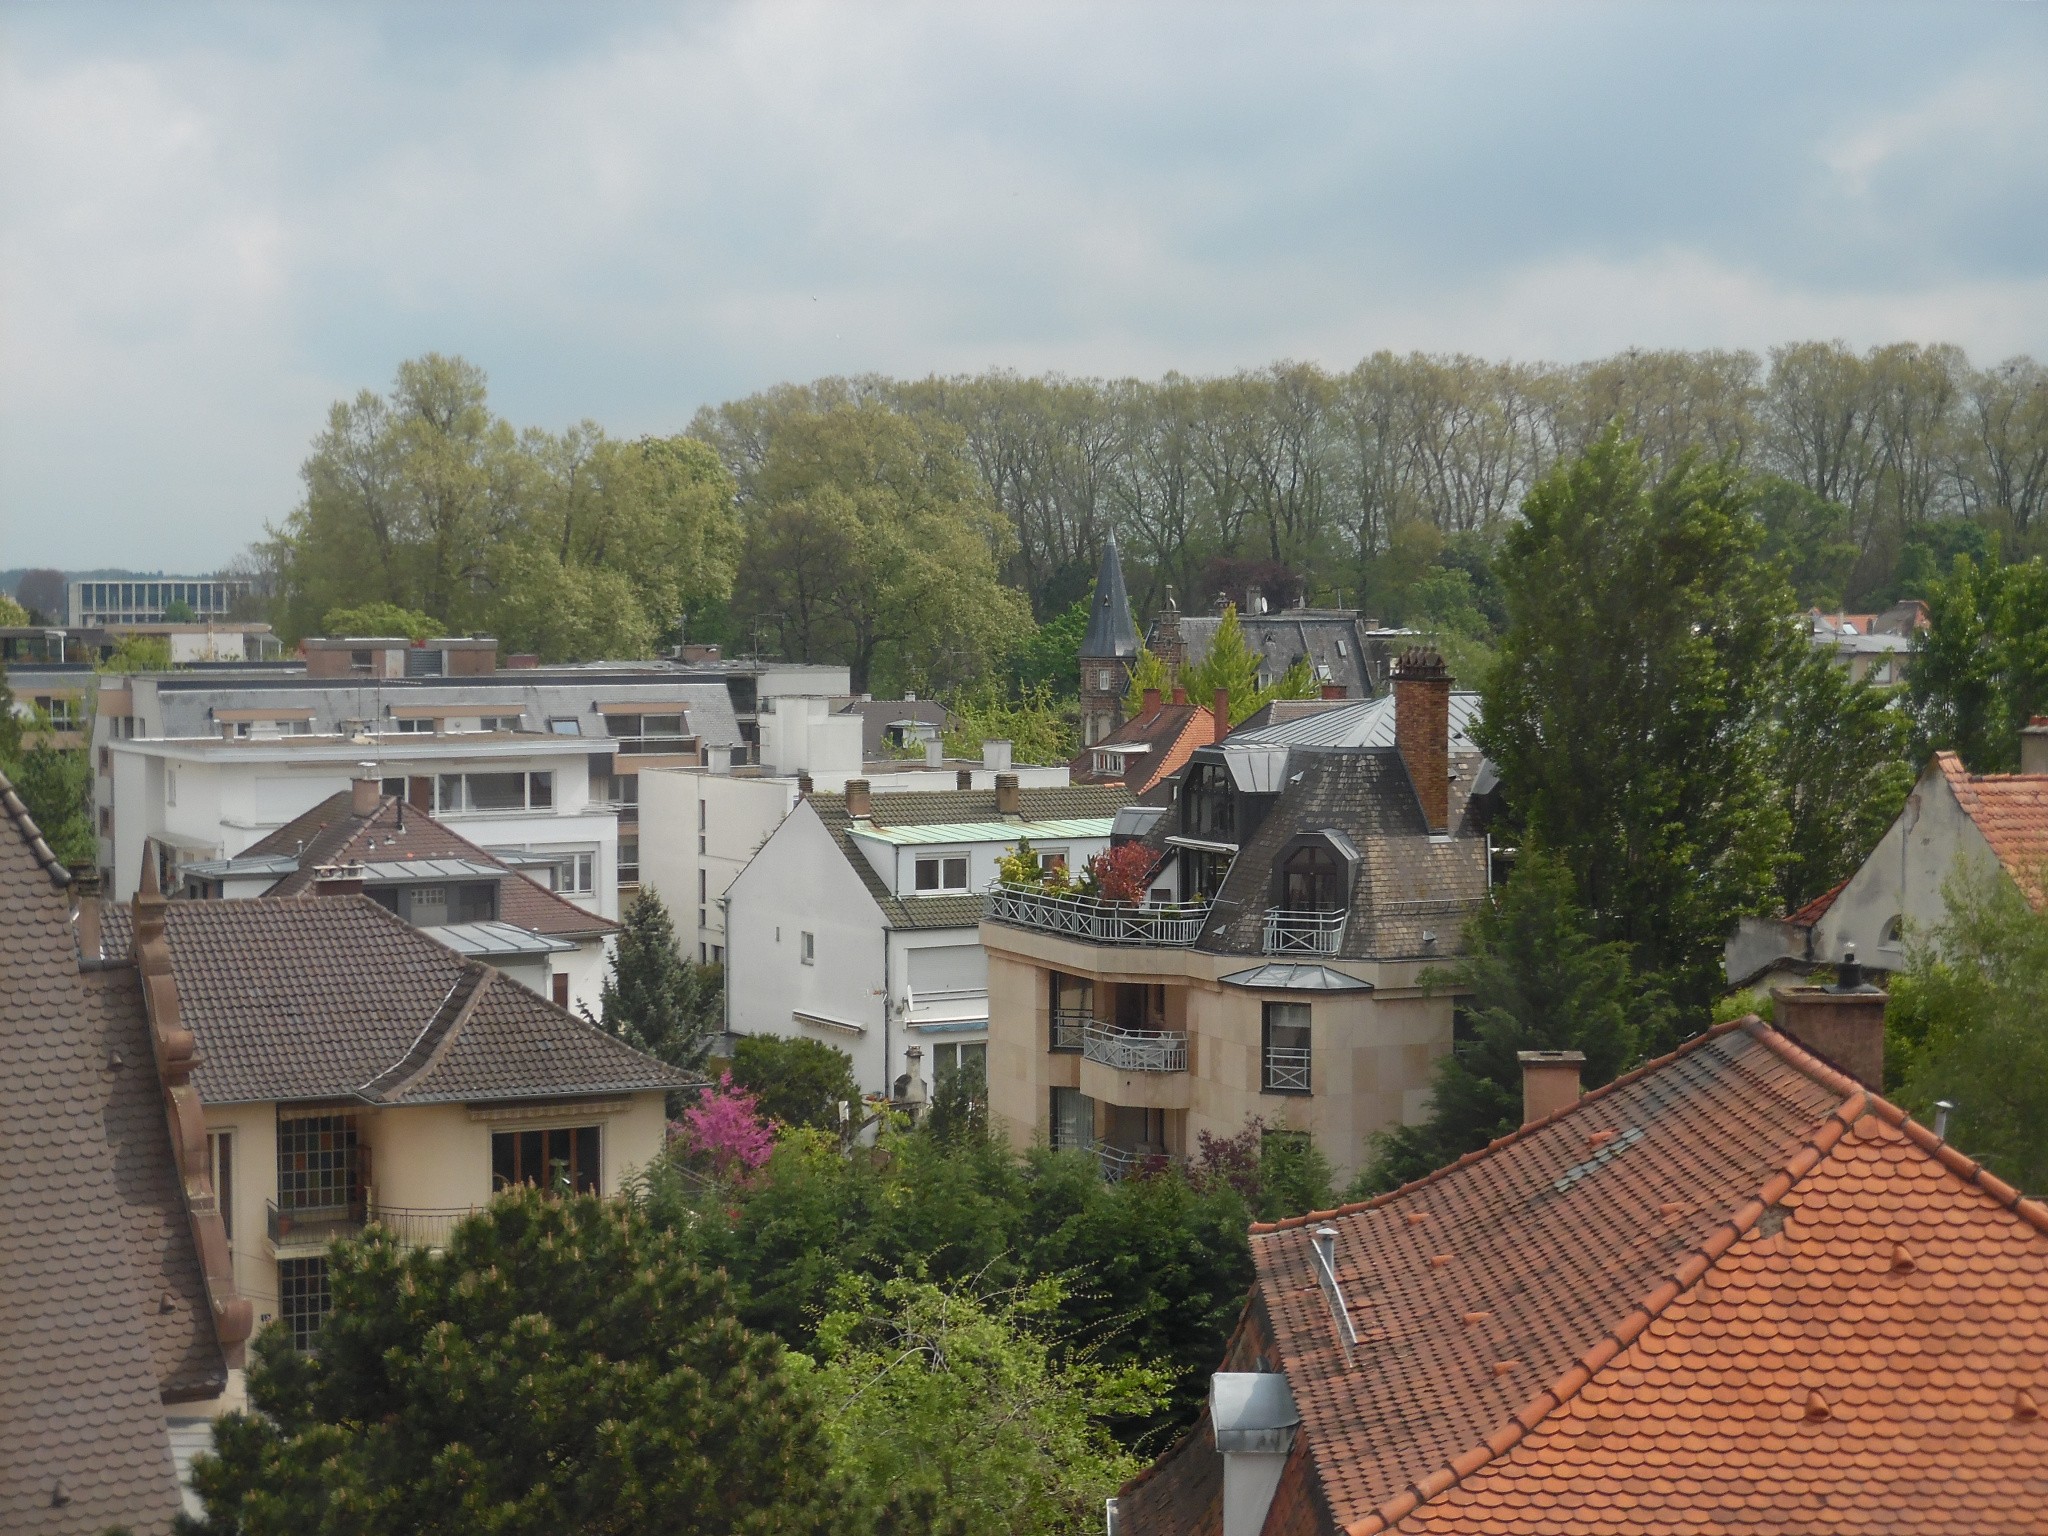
(215, 221)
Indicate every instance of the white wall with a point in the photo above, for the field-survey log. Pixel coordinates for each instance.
(801, 883)
(737, 816)
(1903, 877)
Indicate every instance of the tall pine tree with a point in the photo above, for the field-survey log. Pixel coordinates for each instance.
(655, 1000)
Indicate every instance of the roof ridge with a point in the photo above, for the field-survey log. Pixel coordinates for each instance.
(1352, 1208)
(436, 1035)
(18, 813)
(1699, 1259)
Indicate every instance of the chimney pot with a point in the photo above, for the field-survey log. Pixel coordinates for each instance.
(2034, 746)
(1009, 801)
(858, 806)
(1422, 730)
(1550, 1082)
(964, 779)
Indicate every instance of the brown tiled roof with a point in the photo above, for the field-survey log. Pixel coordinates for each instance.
(331, 833)
(1173, 731)
(324, 997)
(1732, 1291)
(2011, 810)
(1816, 909)
(81, 1416)
(930, 808)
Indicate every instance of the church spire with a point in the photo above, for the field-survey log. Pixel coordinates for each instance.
(1111, 634)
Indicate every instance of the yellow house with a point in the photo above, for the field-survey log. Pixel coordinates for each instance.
(350, 1069)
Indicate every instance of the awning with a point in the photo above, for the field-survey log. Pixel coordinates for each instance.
(1296, 978)
(823, 1021)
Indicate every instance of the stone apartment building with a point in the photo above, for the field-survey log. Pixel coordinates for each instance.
(1309, 882)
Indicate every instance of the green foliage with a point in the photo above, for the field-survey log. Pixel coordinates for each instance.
(1630, 708)
(138, 653)
(1806, 537)
(870, 542)
(1294, 1176)
(1964, 1024)
(1540, 980)
(1038, 729)
(1148, 671)
(654, 1000)
(1839, 760)
(797, 1081)
(1982, 668)
(379, 621)
(562, 1366)
(178, 611)
(964, 1413)
(54, 783)
(11, 612)
(1050, 657)
(1233, 664)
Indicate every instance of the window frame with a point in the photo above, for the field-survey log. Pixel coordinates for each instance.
(1306, 1025)
(519, 1151)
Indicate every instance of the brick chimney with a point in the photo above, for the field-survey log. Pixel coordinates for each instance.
(858, 806)
(803, 786)
(1336, 691)
(1422, 730)
(365, 795)
(1842, 1024)
(963, 778)
(1009, 802)
(1550, 1082)
(2034, 746)
(1151, 701)
(1221, 710)
(1180, 694)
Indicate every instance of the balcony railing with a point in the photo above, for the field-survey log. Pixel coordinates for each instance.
(420, 1226)
(1099, 922)
(1067, 1027)
(1119, 1163)
(1135, 1050)
(1303, 933)
(1286, 1069)
(313, 1226)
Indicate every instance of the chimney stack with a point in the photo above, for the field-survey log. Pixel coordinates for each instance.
(1550, 1082)
(1180, 694)
(995, 756)
(1335, 691)
(2034, 746)
(1842, 1024)
(964, 779)
(803, 786)
(1151, 701)
(934, 753)
(338, 880)
(365, 793)
(1009, 802)
(1221, 710)
(858, 805)
(1422, 730)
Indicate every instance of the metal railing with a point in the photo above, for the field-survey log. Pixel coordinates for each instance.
(312, 1225)
(1068, 1025)
(420, 1226)
(1135, 1050)
(1119, 1163)
(1303, 933)
(1286, 1069)
(1099, 922)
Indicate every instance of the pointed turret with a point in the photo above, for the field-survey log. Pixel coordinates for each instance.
(1108, 650)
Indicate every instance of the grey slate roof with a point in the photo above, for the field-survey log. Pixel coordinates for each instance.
(1110, 630)
(1362, 723)
(333, 996)
(80, 1391)
(1338, 646)
(937, 808)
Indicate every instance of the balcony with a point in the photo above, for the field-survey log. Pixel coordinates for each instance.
(313, 1227)
(1097, 922)
(419, 1226)
(1303, 933)
(1119, 1163)
(1286, 1070)
(1134, 1050)
(1068, 1026)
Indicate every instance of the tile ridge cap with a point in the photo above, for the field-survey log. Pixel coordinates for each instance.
(38, 846)
(1698, 1260)
(1352, 1208)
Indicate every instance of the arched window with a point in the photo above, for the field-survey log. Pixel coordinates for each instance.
(1894, 932)
(1312, 880)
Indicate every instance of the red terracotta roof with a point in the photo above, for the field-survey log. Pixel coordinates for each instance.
(1172, 732)
(1817, 908)
(331, 833)
(1731, 1291)
(2011, 810)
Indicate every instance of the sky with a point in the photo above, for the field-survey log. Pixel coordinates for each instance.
(216, 221)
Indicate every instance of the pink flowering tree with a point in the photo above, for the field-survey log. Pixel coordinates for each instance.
(726, 1128)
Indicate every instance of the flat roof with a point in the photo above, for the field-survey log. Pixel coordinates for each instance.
(987, 831)
(350, 749)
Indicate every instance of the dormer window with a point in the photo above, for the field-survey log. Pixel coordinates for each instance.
(1312, 880)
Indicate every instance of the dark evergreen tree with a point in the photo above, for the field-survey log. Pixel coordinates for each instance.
(561, 1366)
(1981, 670)
(1540, 981)
(1839, 760)
(797, 1081)
(654, 999)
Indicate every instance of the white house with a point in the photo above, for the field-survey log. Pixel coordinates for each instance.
(1953, 819)
(857, 922)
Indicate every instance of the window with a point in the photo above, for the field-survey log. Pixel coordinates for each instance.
(106, 760)
(565, 726)
(703, 880)
(418, 727)
(392, 787)
(702, 807)
(1052, 858)
(361, 661)
(303, 1300)
(718, 954)
(807, 948)
(951, 1059)
(220, 1171)
(1894, 933)
(564, 1158)
(942, 872)
(577, 874)
(170, 786)
(629, 861)
(1073, 1009)
(499, 723)
(106, 821)
(1207, 806)
(495, 792)
(622, 725)
(317, 1164)
(1285, 1028)
(1311, 880)
(1073, 1120)
(425, 663)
